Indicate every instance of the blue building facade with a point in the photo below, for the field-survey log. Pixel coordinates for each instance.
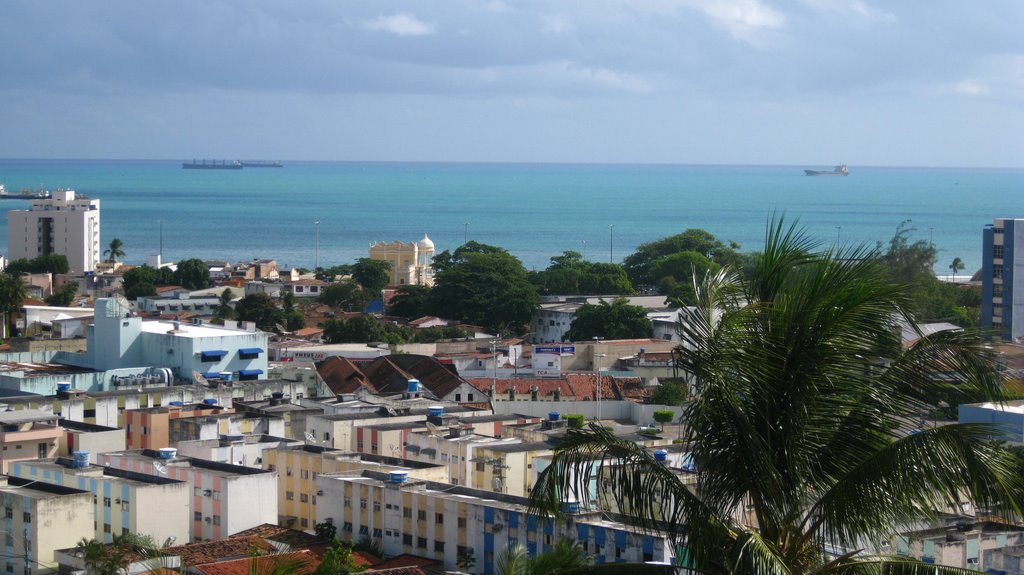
(1002, 298)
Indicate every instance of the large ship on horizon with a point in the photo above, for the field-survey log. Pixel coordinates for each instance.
(26, 194)
(212, 165)
(840, 170)
(261, 164)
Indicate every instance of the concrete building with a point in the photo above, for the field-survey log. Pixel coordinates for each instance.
(557, 313)
(215, 426)
(122, 501)
(118, 339)
(149, 427)
(28, 434)
(1006, 416)
(1002, 279)
(62, 224)
(410, 262)
(225, 498)
(965, 545)
(90, 438)
(442, 522)
(177, 302)
(39, 519)
(244, 450)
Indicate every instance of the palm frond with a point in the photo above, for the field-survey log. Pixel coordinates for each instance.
(889, 565)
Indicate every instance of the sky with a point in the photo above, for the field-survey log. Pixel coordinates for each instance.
(798, 82)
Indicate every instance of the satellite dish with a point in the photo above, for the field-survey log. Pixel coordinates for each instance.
(310, 437)
(433, 429)
(198, 378)
(160, 468)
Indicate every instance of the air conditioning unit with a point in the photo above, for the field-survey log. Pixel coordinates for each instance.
(497, 527)
(319, 492)
(207, 520)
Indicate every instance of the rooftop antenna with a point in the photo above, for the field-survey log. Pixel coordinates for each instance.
(433, 429)
(160, 468)
(310, 437)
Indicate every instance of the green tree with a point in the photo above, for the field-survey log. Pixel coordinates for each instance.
(570, 274)
(64, 295)
(114, 559)
(260, 308)
(565, 556)
(333, 273)
(324, 530)
(338, 560)
(483, 285)
(13, 292)
(116, 250)
(142, 281)
(803, 388)
(466, 560)
(664, 416)
(344, 294)
(956, 266)
(53, 264)
(364, 328)
(669, 392)
(192, 274)
(615, 320)
(640, 265)
(373, 275)
(224, 309)
(677, 273)
(410, 302)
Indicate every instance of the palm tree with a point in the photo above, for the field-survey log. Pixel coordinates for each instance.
(13, 292)
(956, 266)
(799, 426)
(115, 250)
(564, 556)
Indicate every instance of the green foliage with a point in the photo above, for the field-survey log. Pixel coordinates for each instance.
(483, 285)
(802, 388)
(192, 274)
(332, 273)
(616, 320)
(64, 295)
(142, 281)
(642, 265)
(116, 250)
(114, 559)
(13, 292)
(565, 556)
(344, 294)
(324, 530)
(677, 274)
(410, 302)
(576, 420)
(669, 392)
(466, 560)
(338, 560)
(260, 308)
(53, 263)
(224, 309)
(570, 274)
(435, 334)
(364, 328)
(664, 416)
(373, 275)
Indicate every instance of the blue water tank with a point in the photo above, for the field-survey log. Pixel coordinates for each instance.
(570, 507)
(554, 416)
(398, 477)
(435, 410)
(661, 455)
(414, 386)
(168, 453)
(80, 459)
(64, 386)
(177, 403)
(210, 401)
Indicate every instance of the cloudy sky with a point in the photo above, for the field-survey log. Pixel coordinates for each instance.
(868, 82)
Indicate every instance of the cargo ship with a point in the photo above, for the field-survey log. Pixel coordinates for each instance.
(261, 164)
(839, 170)
(212, 165)
(24, 194)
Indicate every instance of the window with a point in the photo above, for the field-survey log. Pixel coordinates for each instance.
(362, 504)
(304, 473)
(407, 539)
(26, 517)
(470, 397)
(199, 516)
(421, 515)
(376, 505)
(348, 501)
(997, 252)
(106, 528)
(347, 527)
(462, 522)
(289, 495)
(407, 512)
(327, 436)
(377, 533)
(480, 466)
(288, 471)
(106, 502)
(303, 498)
(439, 546)
(997, 290)
(364, 530)
(8, 512)
(997, 272)
(439, 518)
(304, 522)
(42, 450)
(421, 542)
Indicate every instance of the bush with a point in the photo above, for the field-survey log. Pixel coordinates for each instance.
(664, 416)
(575, 420)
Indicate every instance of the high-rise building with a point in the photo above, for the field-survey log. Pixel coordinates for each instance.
(1002, 298)
(62, 224)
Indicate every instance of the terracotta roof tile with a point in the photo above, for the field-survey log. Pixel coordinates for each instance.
(305, 562)
(210, 551)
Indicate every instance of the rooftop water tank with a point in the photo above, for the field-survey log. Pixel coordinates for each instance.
(168, 453)
(661, 455)
(79, 459)
(435, 410)
(570, 507)
(177, 403)
(414, 386)
(226, 375)
(64, 386)
(554, 416)
(398, 477)
(210, 401)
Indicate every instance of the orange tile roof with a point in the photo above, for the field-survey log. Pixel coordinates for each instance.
(305, 562)
(210, 551)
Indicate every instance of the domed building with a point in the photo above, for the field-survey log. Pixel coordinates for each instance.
(410, 262)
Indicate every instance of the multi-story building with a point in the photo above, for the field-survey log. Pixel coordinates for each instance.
(39, 519)
(1002, 294)
(443, 522)
(410, 262)
(149, 427)
(62, 224)
(28, 434)
(225, 498)
(122, 501)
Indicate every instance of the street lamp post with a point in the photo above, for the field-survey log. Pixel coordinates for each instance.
(584, 250)
(316, 260)
(465, 233)
(611, 243)
(597, 375)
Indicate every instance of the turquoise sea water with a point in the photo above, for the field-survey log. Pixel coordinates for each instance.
(533, 210)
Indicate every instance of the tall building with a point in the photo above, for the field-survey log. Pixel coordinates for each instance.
(62, 224)
(1002, 298)
(410, 262)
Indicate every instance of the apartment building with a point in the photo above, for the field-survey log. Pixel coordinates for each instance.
(39, 519)
(65, 224)
(27, 434)
(1002, 279)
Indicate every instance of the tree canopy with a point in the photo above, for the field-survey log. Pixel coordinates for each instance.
(373, 275)
(192, 274)
(53, 263)
(116, 250)
(799, 428)
(364, 328)
(13, 292)
(615, 320)
(483, 285)
(344, 294)
(641, 265)
(410, 302)
(261, 309)
(141, 281)
(570, 274)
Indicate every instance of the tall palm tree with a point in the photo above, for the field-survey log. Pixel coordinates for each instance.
(115, 250)
(800, 427)
(13, 292)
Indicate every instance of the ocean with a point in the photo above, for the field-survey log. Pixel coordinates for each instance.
(535, 211)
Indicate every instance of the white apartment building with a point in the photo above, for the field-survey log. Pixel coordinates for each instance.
(62, 224)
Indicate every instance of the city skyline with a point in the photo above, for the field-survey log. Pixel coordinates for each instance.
(808, 82)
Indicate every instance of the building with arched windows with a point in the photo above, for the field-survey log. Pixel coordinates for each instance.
(410, 262)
